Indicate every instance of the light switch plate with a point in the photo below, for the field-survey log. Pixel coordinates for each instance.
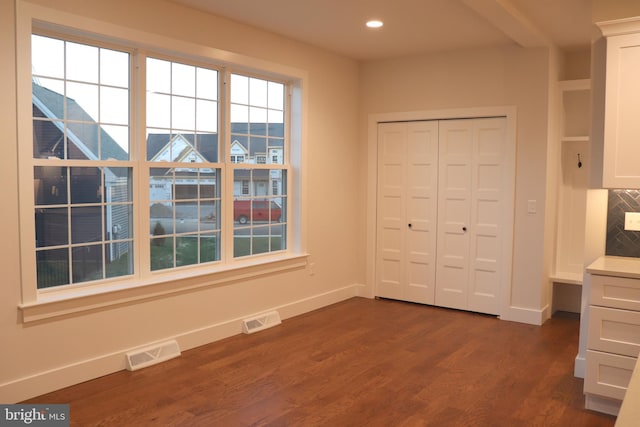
(532, 206)
(632, 221)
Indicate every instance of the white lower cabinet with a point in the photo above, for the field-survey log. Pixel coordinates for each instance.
(613, 342)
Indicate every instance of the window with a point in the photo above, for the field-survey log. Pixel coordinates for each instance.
(117, 198)
(81, 175)
(182, 151)
(258, 125)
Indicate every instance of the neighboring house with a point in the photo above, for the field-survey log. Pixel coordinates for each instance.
(255, 149)
(86, 141)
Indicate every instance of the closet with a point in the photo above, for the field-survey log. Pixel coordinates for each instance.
(440, 206)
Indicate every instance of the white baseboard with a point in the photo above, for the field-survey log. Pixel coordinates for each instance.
(602, 404)
(64, 376)
(527, 315)
(580, 367)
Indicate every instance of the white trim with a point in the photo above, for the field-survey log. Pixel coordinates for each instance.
(74, 373)
(510, 113)
(618, 27)
(526, 315)
(580, 367)
(72, 300)
(602, 404)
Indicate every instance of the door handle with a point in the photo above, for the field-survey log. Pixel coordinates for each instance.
(409, 225)
(464, 228)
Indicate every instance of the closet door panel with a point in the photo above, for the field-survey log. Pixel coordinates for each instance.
(392, 143)
(407, 166)
(486, 219)
(454, 202)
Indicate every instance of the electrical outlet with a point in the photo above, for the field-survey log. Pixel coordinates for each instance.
(632, 221)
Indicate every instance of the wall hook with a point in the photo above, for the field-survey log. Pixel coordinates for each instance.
(579, 161)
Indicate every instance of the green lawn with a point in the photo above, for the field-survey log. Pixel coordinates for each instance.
(55, 273)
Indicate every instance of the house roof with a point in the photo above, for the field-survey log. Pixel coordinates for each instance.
(254, 137)
(88, 139)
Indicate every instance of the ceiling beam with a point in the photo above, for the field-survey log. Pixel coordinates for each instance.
(503, 15)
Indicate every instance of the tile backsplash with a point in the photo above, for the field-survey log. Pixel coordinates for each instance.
(619, 241)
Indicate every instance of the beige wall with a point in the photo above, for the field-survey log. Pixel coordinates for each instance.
(509, 76)
(42, 356)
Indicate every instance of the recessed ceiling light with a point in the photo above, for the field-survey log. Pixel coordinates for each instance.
(374, 23)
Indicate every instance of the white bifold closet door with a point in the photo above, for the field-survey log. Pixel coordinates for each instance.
(439, 212)
(406, 212)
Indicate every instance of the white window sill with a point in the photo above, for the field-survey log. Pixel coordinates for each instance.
(71, 301)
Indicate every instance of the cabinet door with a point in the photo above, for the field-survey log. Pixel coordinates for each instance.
(621, 168)
(614, 331)
(406, 212)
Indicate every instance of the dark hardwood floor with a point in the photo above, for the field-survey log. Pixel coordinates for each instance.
(357, 363)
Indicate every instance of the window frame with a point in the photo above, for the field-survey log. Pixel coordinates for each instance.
(43, 304)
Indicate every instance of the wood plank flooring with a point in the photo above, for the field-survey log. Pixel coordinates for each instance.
(357, 363)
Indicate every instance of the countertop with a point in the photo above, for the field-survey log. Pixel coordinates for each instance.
(616, 266)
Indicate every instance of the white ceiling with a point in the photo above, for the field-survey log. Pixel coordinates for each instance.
(413, 26)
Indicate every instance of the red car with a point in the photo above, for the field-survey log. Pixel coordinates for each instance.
(257, 210)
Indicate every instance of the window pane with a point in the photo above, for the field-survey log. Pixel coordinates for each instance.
(114, 68)
(158, 110)
(278, 237)
(209, 214)
(276, 96)
(183, 113)
(239, 89)
(86, 224)
(162, 253)
(187, 116)
(119, 184)
(83, 140)
(82, 62)
(50, 185)
(185, 206)
(119, 219)
(210, 247)
(48, 139)
(187, 217)
(68, 113)
(86, 185)
(47, 57)
(258, 92)
(207, 116)
(183, 80)
(187, 250)
(258, 121)
(259, 211)
(114, 106)
(206, 144)
(263, 117)
(52, 227)
(82, 102)
(239, 114)
(114, 142)
(207, 84)
(52, 267)
(119, 256)
(87, 263)
(158, 76)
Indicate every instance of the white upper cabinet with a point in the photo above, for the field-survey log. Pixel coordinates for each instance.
(621, 155)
